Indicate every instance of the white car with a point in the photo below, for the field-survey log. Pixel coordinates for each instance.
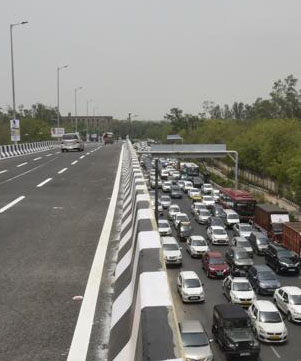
(173, 210)
(267, 322)
(288, 300)
(242, 230)
(208, 201)
(165, 201)
(181, 217)
(160, 208)
(215, 194)
(187, 185)
(231, 217)
(153, 183)
(207, 188)
(194, 193)
(217, 235)
(164, 227)
(164, 174)
(166, 186)
(238, 290)
(196, 246)
(190, 287)
(171, 251)
(176, 174)
(181, 184)
(196, 206)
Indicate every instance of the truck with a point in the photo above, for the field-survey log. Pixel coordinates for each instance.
(108, 138)
(270, 219)
(292, 236)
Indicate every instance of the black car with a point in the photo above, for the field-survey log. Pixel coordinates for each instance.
(263, 279)
(176, 192)
(232, 330)
(218, 211)
(238, 257)
(259, 242)
(215, 221)
(184, 231)
(281, 259)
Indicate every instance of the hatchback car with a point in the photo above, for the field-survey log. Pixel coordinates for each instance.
(208, 201)
(238, 290)
(72, 141)
(288, 300)
(194, 194)
(196, 206)
(238, 257)
(166, 186)
(216, 194)
(242, 242)
(190, 287)
(202, 216)
(183, 231)
(267, 322)
(165, 201)
(242, 230)
(263, 279)
(187, 185)
(181, 217)
(215, 221)
(171, 251)
(173, 210)
(164, 227)
(176, 192)
(259, 242)
(214, 265)
(196, 246)
(196, 345)
(218, 211)
(217, 235)
(207, 188)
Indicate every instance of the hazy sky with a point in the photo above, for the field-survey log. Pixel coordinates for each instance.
(146, 56)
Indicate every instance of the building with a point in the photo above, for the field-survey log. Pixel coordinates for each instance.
(92, 123)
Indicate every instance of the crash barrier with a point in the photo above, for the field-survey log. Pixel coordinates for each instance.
(13, 150)
(143, 323)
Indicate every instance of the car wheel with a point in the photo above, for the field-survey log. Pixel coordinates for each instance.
(277, 270)
(289, 317)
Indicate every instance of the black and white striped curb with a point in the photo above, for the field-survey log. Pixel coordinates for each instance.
(13, 150)
(143, 324)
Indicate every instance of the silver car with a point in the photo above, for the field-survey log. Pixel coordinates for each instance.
(72, 141)
(165, 201)
(196, 345)
(202, 216)
(173, 210)
(242, 230)
(164, 227)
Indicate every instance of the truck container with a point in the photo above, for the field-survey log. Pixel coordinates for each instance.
(270, 218)
(108, 138)
(292, 236)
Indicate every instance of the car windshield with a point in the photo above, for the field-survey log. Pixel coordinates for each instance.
(284, 253)
(269, 317)
(295, 299)
(183, 218)
(262, 241)
(174, 209)
(237, 323)
(204, 213)
(194, 339)
(208, 198)
(163, 224)
(192, 283)
(266, 276)
(165, 198)
(185, 228)
(198, 242)
(170, 247)
(242, 243)
(70, 136)
(245, 228)
(242, 286)
(232, 216)
(194, 190)
(241, 255)
(216, 261)
(219, 231)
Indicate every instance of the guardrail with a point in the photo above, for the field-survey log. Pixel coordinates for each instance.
(14, 150)
(143, 322)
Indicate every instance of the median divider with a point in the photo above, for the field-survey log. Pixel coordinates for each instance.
(143, 322)
(14, 150)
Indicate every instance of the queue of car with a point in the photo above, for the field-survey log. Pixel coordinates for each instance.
(243, 281)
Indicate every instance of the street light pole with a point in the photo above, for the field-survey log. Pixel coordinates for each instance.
(75, 105)
(58, 92)
(12, 64)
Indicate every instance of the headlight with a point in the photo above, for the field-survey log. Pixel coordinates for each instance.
(211, 269)
(180, 256)
(262, 330)
(284, 264)
(235, 298)
(232, 346)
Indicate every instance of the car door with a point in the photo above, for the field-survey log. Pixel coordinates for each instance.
(189, 244)
(180, 284)
(205, 261)
(235, 229)
(227, 289)
(229, 256)
(253, 278)
(284, 302)
(209, 233)
(254, 316)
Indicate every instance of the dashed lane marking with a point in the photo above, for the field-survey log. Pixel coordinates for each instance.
(48, 155)
(57, 152)
(21, 165)
(83, 156)
(37, 158)
(62, 171)
(275, 352)
(3, 171)
(74, 162)
(11, 204)
(44, 182)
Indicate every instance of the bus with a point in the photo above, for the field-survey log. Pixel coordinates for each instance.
(108, 138)
(189, 170)
(242, 202)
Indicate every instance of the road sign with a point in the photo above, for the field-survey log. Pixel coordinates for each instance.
(57, 132)
(15, 130)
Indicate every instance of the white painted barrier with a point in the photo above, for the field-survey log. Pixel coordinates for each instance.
(14, 150)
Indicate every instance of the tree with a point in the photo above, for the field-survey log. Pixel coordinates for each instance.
(175, 116)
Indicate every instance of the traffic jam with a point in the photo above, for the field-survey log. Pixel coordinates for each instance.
(233, 266)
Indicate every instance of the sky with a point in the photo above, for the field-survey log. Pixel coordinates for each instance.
(147, 56)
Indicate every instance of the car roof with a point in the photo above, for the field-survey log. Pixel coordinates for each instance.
(230, 311)
(239, 279)
(230, 211)
(168, 240)
(191, 326)
(243, 224)
(265, 305)
(189, 274)
(242, 239)
(174, 205)
(196, 237)
(163, 221)
(181, 214)
(217, 227)
(292, 290)
(262, 268)
(238, 249)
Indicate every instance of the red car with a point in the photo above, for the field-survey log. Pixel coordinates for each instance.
(214, 265)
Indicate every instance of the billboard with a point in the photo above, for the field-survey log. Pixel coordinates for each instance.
(57, 132)
(15, 130)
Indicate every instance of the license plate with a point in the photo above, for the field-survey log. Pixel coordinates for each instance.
(194, 298)
(275, 338)
(292, 270)
(244, 354)
(245, 303)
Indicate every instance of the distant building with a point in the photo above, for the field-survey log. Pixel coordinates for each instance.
(174, 139)
(97, 122)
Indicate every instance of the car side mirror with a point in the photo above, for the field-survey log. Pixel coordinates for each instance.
(211, 340)
(253, 317)
(181, 248)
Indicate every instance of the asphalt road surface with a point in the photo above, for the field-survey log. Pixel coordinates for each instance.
(291, 351)
(52, 208)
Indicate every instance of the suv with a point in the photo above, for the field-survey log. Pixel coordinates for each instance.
(281, 259)
(263, 279)
(232, 330)
(72, 141)
(259, 242)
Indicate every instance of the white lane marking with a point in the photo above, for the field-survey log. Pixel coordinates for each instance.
(57, 152)
(44, 182)
(88, 153)
(48, 155)
(81, 337)
(82, 157)
(74, 162)
(275, 352)
(21, 165)
(62, 171)
(3, 171)
(38, 158)
(9, 205)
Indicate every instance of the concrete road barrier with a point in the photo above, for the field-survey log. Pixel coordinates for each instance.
(14, 150)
